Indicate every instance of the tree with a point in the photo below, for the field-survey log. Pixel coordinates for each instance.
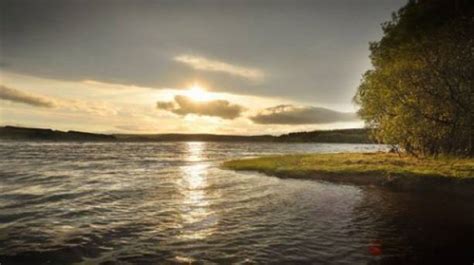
(420, 93)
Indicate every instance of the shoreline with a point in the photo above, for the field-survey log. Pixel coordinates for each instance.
(367, 169)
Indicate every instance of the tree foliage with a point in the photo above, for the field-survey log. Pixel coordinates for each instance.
(419, 94)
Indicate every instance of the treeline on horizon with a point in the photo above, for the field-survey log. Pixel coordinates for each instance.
(419, 96)
(329, 136)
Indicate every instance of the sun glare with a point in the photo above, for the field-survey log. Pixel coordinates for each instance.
(198, 93)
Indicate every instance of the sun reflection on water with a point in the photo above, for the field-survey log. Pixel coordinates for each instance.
(198, 221)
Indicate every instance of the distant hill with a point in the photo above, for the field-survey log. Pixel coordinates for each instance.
(193, 137)
(19, 133)
(330, 136)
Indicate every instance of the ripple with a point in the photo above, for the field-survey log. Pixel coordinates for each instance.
(154, 203)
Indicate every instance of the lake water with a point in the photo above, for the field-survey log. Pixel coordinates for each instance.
(166, 203)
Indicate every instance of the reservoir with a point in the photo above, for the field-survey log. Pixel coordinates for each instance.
(155, 203)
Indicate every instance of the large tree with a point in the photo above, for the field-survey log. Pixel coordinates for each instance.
(420, 93)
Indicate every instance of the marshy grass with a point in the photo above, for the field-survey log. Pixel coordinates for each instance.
(356, 164)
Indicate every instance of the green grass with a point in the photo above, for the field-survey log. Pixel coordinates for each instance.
(356, 164)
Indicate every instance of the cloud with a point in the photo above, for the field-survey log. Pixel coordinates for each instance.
(111, 86)
(183, 105)
(137, 128)
(35, 100)
(165, 105)
(201, 63)
(90, 107)
(18, 96)
(292, 115)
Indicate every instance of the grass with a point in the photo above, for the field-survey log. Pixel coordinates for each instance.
(356, 165)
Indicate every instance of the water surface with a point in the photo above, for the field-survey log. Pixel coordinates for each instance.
(155, 203)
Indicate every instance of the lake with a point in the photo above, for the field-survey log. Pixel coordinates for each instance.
(155, 203)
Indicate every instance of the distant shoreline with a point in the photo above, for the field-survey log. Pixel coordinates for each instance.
(368, 169)
(351, 136)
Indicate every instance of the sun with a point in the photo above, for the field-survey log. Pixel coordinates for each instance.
(198, 93)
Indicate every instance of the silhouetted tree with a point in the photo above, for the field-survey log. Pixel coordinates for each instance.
(419, 94)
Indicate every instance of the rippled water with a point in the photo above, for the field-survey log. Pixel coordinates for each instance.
(155, 203)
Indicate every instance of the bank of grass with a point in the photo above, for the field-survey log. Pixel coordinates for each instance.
(385, 169)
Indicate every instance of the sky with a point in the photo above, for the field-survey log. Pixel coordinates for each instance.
(230, 67)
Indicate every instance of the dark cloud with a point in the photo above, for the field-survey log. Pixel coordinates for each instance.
(165, 105)
(183, 105)
(289, 114)
(18, 96)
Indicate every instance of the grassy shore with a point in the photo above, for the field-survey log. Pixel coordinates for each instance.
(382, 169)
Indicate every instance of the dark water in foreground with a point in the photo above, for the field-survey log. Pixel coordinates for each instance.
(162, 203)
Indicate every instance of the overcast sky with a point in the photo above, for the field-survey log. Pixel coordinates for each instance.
(257, 66)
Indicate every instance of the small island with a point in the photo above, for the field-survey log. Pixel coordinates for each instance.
(394, 171)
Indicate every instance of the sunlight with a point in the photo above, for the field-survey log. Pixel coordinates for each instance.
(198, 221)
(198, 93)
